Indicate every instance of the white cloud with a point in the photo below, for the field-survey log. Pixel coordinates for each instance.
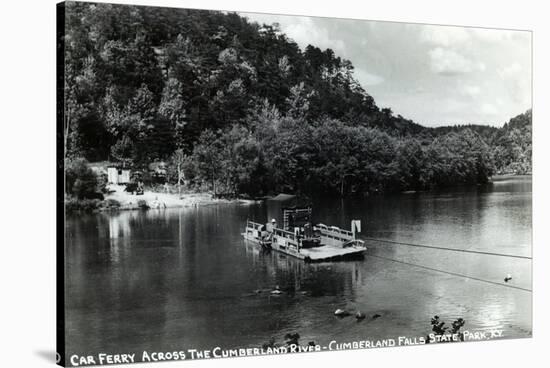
(510, 70)
(444, 36)
(489, 109)
(366, 78)
(449, 62)
(492, 35)
(418, 89)
(517, 80)
(470, 90)
(474, 74)
(456, 36)
(303, 30)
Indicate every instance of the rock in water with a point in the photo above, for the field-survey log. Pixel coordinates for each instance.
(269, 344)
(292, 338)
(341, 312)
(376, 316)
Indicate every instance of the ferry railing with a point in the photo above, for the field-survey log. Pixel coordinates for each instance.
(334, 231)
(253, 225)
(284, 234)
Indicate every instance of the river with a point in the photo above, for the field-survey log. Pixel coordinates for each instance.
(165, 280)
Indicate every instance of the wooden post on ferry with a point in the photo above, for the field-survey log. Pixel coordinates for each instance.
(355, 227)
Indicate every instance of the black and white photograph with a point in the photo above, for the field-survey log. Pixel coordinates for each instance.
(205, 183)
(239, 184)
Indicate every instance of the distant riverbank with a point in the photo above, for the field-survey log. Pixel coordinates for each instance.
(118, 199)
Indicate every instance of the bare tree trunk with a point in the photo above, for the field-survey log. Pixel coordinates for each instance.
(67, 125)
(179, 179)
(214, 183)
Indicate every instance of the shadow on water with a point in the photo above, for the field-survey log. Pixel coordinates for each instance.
(166, 279)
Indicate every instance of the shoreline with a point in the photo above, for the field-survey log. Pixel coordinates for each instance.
(118, 200)
(160, 200)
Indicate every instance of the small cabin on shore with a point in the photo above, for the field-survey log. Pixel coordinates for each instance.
(117, 175)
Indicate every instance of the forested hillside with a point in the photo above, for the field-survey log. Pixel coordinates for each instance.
(513, 145)
(242, 110)
(510, 145)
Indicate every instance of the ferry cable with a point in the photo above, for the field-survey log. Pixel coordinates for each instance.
(445, 248)
(451, 273)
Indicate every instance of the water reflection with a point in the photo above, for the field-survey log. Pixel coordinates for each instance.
(185, 278)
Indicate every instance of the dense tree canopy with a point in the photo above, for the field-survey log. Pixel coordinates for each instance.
(513, 145)
(238, 107)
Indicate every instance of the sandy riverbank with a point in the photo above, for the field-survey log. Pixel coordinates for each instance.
(163, 200)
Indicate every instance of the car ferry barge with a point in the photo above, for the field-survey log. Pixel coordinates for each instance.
(299, 238)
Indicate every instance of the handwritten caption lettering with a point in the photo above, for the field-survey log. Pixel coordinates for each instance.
(218, 352)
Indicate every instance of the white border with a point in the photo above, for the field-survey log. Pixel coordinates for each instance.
(28, 179)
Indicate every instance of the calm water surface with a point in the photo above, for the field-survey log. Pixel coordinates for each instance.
(184, 278)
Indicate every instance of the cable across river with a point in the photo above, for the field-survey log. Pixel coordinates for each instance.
(452, 273)
(447, 248)
(452, 250)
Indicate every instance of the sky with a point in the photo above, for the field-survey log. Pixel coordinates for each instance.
(434, 75)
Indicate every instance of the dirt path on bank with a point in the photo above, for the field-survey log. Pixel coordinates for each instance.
(159, 199)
